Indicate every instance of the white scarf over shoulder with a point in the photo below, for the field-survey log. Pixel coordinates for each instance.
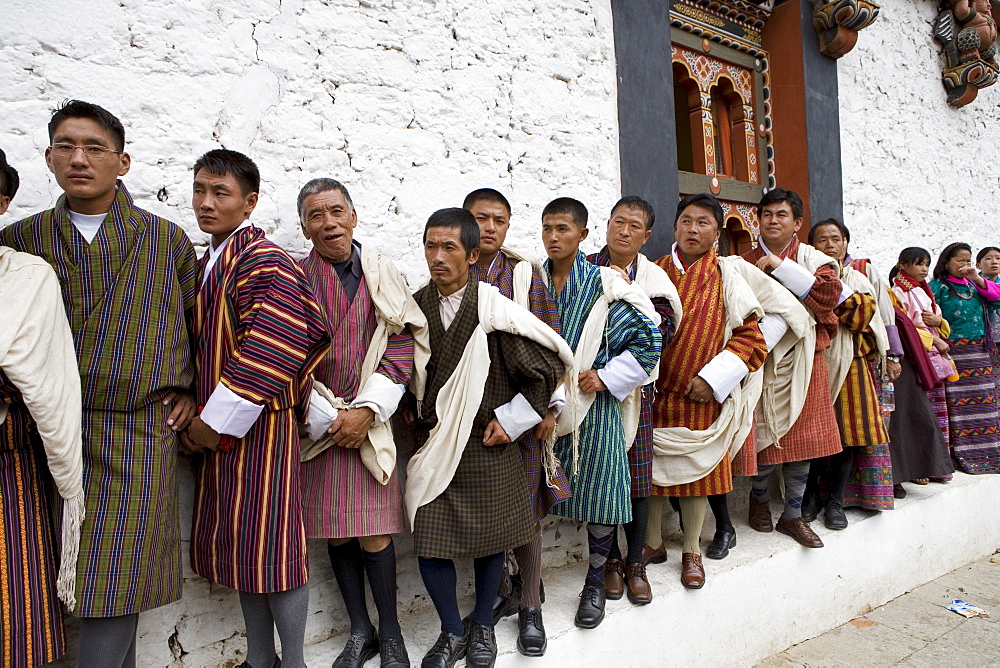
(395, 309)
(682, 455)
(36, 353)
(432, 468)
(788, 367)
(578, 403)
(840, 354)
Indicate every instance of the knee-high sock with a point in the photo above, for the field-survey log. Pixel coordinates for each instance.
(616, 550)
(838, 472)
(795, 474)
(441, 582)
(290, 609)
(107, 642)
(635, 531)
(599, 539)
(381, 569)
(720, 508)
(260, 629)
(506, 584)
(349, 568)
(529, 560)
(759, 483)
(654, 521)
(693, 511)
(489, 570)
(817, 469)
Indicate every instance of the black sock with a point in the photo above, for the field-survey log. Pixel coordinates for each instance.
(616, 551)
(349, 569)
(839, 472)
(489, 570)
(381, 569)
(635, 531)
(441, 582)
(720, 508)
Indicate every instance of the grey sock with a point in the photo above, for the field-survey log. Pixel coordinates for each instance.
(795, 474)
(260, 629)
(107, 642)
(290, 610)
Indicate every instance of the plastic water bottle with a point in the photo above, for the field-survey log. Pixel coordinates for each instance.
(888, 401)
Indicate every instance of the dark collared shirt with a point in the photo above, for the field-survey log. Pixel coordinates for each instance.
(349, 272)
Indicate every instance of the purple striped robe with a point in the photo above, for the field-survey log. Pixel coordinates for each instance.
(540, 303)
(260, 332)
(340, 498)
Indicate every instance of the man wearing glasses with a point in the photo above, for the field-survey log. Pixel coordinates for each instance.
(128, 282)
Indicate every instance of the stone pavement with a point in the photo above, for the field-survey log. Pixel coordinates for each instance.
(916, 629)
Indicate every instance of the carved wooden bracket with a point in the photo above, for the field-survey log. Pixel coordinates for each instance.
(968, 34)
(838, 23)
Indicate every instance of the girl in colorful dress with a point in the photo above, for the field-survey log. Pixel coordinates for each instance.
(966, 298)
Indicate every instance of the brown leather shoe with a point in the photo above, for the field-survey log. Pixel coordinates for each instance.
(692, 572)
(639, 591)
(654, 556)
(800, 531)
(614, 579)
(760, 516)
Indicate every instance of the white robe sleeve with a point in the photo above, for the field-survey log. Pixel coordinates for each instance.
(723, 373)
(773, 327)
(795, 277)
(622, 375)
(228, 413)
(558, 400)
(516, 417)
(380, 394)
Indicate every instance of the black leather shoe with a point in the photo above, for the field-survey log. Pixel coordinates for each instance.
(482, 652)
(531, 640)
(834, 518)
(721, 544)
(357, 650)
(446, 652)
(505, 606)
(898, 491)
(810, 507)
(393, 653)
(590, 614)
(276, 664)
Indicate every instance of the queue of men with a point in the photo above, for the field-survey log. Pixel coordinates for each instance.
(613, 383)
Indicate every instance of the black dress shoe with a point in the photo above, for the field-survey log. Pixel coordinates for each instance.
(357, 650)
(811, 507)
(898, 491)
(505, 606)
(393, 653)
(721, 544)
(835, 517)
(591, 611)
(276, 664)
(531, 640)
(446, 652)
(482, 651)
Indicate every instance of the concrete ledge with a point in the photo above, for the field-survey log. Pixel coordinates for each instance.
(771, 593)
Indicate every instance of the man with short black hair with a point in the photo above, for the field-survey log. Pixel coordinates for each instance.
(814, 279)
(128, 284)
(497, 265)
(351, 492)
(8, 183)
(466, 494)
(612, 328)
(259, 334)
(629, 228)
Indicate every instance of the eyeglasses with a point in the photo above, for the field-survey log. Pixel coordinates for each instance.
(92, 151)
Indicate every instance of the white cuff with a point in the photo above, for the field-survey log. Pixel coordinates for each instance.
(558, 401)
(723, 373)
(773, 327)
(228, 413)
(845, 293)
(795, 277)
(622, 375)
(381, 395)
(320, 415)
(516, 417)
